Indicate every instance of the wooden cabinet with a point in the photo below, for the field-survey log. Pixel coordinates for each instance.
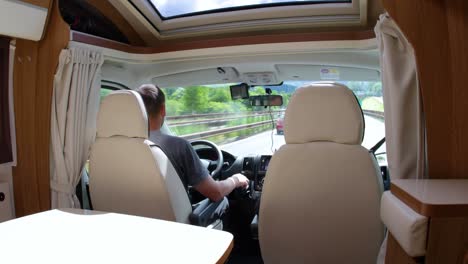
(445, 203)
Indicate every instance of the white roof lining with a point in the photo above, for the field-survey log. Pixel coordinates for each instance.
(180, 69)
(134, 69)
(235, 51)
(282, 72)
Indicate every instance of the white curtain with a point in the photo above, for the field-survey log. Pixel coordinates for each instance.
(75, 103)
(404, 119)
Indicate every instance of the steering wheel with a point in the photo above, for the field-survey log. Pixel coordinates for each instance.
(210, 163)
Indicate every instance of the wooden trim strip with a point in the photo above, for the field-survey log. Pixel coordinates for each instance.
(226, 254)
(106, 43)
(167, 46)
(49, 12)
(396, 254)
(34, 70)
(429, 210)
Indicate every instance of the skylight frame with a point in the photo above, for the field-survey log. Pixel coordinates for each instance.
(337, 14)
(246, 7)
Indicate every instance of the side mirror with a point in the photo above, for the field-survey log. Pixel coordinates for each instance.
(266, 100)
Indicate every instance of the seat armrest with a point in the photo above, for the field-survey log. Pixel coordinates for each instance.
(409, 228)
(206, 212)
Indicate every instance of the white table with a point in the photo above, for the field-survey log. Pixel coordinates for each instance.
(75, 236)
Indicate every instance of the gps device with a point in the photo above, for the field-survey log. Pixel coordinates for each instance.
(240, 91)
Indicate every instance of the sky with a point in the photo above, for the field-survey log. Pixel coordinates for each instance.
(170, 8)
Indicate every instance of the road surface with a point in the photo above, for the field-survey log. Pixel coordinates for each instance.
(262, 143)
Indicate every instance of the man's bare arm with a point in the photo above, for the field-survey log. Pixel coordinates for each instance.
(216, 190)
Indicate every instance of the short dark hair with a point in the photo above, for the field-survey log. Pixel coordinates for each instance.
(153, 97)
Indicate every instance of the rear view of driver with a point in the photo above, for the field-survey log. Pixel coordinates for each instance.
(181, 154)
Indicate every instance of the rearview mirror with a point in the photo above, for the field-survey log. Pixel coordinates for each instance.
(240, 91)
(266, 100)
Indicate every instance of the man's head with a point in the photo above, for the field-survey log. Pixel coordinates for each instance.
(154, 100)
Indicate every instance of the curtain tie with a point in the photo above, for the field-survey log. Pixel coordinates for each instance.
(62, 188)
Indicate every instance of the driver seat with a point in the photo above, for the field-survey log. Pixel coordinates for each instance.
(129, 175)
(321, 195)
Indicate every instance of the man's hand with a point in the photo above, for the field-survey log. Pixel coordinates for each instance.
(240, 180)
(216, 190)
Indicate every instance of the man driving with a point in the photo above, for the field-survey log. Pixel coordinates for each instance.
(181, 154)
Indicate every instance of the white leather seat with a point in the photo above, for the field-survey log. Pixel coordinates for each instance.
(321, 195)
(127, 174)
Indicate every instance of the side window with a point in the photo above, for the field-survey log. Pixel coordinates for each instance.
(105, 92)
(381, 155)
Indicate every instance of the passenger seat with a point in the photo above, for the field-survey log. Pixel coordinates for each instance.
(321, 196)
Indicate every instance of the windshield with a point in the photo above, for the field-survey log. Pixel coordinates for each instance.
(207, 112)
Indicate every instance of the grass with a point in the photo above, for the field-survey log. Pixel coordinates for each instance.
(373, 103)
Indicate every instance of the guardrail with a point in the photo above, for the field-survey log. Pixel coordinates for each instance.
(226, 130)
(373, 113)
(220, 119)
(228, 117)
(170, 118)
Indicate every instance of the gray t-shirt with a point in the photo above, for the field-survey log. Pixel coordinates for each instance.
(182, 156)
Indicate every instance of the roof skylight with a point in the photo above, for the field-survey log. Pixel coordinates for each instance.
(180, 8)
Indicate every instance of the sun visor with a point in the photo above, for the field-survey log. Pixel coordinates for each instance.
(326, 73)
(200, 77)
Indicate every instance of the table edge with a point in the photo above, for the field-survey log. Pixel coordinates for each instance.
(429, 210)
(223, 259)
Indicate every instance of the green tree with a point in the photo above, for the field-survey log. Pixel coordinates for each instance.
(218, 107)
(377, 89)
(104, 92)
(173, 107)
(219, 94)
(178, 93)
(174, 93)
(195, 99)
(257, 90)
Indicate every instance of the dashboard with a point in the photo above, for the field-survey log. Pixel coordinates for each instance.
(254, 167)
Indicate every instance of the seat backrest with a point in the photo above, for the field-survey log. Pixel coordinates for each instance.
(127, 174)
(321, 195)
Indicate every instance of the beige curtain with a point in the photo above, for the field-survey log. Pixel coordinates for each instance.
(75, 104)
(404, 120)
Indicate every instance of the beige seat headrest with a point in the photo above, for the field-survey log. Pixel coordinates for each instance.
(122, 113)
(324, 112)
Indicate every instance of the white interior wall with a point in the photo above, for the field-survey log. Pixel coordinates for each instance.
(6, 176)
(22, 20)
(118, 72)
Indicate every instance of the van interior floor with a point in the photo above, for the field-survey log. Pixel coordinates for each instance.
(246, 248)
